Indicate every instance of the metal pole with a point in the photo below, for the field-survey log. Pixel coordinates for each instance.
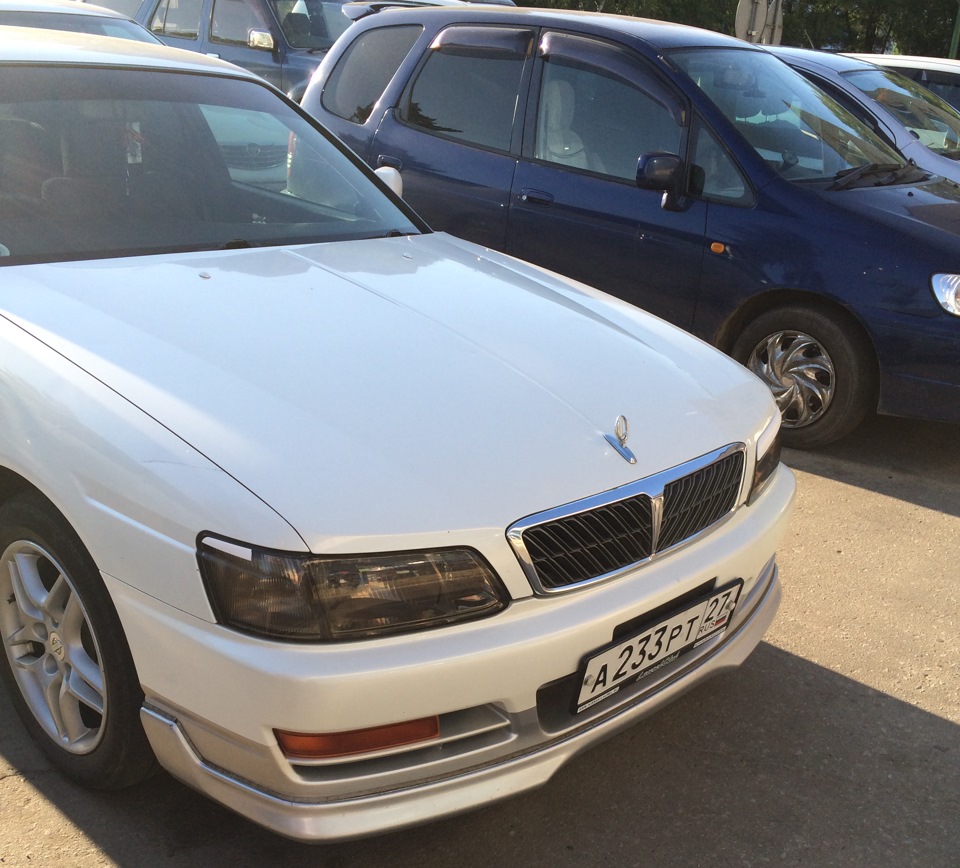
(956, 35)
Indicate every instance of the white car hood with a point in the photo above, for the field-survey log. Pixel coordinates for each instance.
(381, 392)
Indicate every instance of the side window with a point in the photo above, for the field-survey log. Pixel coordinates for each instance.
(469, 85)
(600, 110)
(234, 19)
(591, 120)
(365, 69)
(945, 86)
(180, 18)
(310, 23)
(714, 175)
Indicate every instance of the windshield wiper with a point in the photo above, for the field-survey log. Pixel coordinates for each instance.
(847, 177)
(236, 244)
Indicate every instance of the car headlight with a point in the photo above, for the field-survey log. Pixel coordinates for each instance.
(946, 287)
(309, 597)
(768, 457)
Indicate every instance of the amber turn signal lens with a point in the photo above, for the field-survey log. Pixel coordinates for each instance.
(327, 745)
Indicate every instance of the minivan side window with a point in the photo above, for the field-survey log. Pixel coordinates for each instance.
(714, 174)
(468, 88)
(180, 18)
(234, 19)
(590, 120)
(600, 110)
(352, 90)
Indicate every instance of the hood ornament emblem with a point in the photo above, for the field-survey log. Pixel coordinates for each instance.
(618, 440)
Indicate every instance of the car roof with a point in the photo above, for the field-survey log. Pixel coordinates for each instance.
(944, 64)
(67, 7)
(809, 59)
(34, 46)
(659, 34)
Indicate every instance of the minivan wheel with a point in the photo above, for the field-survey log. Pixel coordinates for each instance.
(66, 663)
(821, 376)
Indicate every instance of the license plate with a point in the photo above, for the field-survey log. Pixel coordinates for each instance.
(641, 654)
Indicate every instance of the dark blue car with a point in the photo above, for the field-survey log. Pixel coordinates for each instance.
(684, 171)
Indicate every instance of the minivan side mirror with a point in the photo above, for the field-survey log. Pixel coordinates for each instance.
(662, 171)
(261, 39)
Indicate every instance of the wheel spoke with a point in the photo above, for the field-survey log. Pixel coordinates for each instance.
(52, 687)
(74, 693)
(29, 633)
(57, 599)
(86, 689)
(28, 589)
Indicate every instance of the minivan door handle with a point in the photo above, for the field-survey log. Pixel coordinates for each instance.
(536, 197)
(390, 162)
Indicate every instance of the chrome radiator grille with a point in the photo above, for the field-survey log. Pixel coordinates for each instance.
(592, 539)
(254, 156)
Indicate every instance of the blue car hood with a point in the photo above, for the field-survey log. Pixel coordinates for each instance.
(912, 208)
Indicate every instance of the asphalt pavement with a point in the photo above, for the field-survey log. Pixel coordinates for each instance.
(837, 743)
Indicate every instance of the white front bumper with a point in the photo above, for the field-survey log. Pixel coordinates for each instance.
(502, 687)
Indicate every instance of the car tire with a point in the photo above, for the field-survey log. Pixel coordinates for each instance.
(822, 375)
(66, 663)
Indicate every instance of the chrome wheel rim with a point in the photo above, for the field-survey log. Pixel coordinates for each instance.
(51, 647)
(799, 372)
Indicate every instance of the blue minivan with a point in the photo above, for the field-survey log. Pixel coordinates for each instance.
(684, 171)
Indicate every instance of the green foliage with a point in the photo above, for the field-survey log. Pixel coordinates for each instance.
(904, 26)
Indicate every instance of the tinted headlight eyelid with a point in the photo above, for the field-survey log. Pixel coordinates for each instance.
(766, 465)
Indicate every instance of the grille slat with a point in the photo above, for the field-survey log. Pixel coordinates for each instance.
(594, 542)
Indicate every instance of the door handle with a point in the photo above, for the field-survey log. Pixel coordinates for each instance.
(536, 197)
(390, 162)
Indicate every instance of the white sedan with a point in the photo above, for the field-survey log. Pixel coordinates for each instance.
(347, 524)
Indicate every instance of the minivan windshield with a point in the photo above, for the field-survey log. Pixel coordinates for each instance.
(932, 120)
(797, 128)
(99, 162)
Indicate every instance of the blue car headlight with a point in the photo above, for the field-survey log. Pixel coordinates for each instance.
(946, 288)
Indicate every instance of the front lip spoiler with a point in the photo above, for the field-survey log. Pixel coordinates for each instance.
(361, 816)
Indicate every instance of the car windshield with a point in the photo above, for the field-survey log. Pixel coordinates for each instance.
(932, 120)
(100, 25)
(796, 127)
(107, 162)
(310, 24)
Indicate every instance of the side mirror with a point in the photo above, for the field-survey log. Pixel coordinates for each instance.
(663, 172)
(658, 171)
(390, 177)
(261, 40)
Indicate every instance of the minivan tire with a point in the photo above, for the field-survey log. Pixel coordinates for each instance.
(822, 374)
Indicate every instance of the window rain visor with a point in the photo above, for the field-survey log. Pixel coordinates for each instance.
(800, 131)
(101, 163)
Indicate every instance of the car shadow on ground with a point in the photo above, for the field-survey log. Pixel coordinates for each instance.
(782, 763)
(908, 459)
